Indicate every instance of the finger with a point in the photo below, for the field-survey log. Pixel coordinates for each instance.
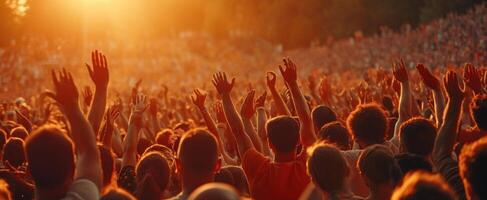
(281, 70)
(233, 82)
(54, 77)
(105, 65)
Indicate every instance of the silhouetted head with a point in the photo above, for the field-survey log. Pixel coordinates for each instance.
(411, 162)
(19, 132)
(50, 158)
(322, 115)
(368, 124)
(418, 136)
(473, 166)
(13, 152)
(327, 168)
(164, 137)
(378, 166)
(479, 111)
(337, 134)
(234, 176)
(214, 191)
(142, 145)
(283, 134)
(197, 154)
(165, 151)
(152, 175)
(422, 185)
(388, 104)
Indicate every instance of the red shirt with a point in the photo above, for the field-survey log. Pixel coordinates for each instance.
(269, 180)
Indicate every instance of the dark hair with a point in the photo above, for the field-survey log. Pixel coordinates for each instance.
(412, 162)
(233, 176)
(19, 132)
(335, 133)
(387, 103)
(164, 137)
(327, 167)
(368, 123)
(479, 111)
(142, 145)
(473, 165)
(377, 163)
(283, 133)
(418, 136)
(13, 152)
(152, 174)
(165, 151)
(322, 115)
(423, 185)
(198, 152)
(50, 155)
(214, 191)
(107, 164)
(117, 194)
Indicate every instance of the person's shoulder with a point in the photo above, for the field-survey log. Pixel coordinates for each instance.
(82, 189)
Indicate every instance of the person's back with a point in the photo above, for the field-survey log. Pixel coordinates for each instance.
(285, 177)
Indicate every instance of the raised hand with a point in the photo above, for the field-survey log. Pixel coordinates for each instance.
(221, 83)
(137, 110)
(248, 109)
(271, 80)
(260, 102)
(400, 72)
(87, 96)
(289, 72)
(428, 78)
(452, 88)
(112, 114)
(99, 71)
(66, 93)
(472, 78)
(199, 98)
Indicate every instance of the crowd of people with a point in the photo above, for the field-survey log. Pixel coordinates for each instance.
(162, 120)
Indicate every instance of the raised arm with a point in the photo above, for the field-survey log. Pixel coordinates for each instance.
(247, 111)
(135, 125)
(107, 134)
(99, 75)
(261, 121)
(447, 134)
(280, 105)
(199, 99)
(224, 87)
(401, 75)
(301, 106)
(434, 84)
(88, 163)
(472, 79)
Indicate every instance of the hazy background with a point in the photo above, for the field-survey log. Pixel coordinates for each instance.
(292, 23)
